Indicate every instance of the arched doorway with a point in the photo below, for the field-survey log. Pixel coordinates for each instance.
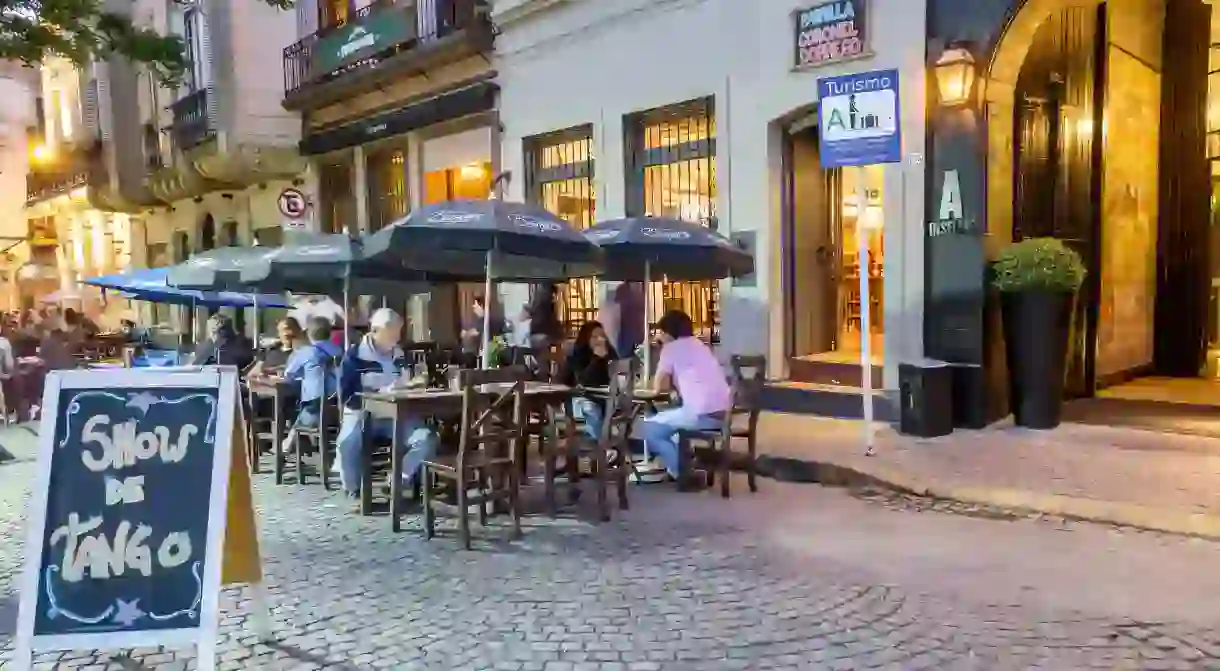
(1093, 141)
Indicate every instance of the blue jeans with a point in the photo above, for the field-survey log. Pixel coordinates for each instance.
(306, 419)
(660, 433)
(593, 413)
(418, 441)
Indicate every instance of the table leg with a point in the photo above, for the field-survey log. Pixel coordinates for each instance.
(396, 477)
(277, 437)
(366, 468)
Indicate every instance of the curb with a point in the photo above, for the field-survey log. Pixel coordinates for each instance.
(1148, 518)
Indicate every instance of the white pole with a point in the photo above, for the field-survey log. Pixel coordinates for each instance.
(647, 316)
(347, 311)
(647, 340)
(866, 349)
(486, 344)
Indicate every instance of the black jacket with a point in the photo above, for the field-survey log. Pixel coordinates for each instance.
(586, 369)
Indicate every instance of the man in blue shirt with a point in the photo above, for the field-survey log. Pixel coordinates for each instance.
(312, 367)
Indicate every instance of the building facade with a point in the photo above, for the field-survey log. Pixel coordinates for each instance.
(78, 220)
(1091, 122)
(705, 110)
(398, 101)
(215, 153)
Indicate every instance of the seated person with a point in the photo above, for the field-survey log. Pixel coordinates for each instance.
(371, 364)
(688, 366)
(588, 365)
(310, 367)
(224, 346)
(276, 358)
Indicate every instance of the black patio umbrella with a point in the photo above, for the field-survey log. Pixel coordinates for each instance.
(218, 269)
(457, 237)
(640, 249)
(322, 264)
(487, 239)
(327, 264)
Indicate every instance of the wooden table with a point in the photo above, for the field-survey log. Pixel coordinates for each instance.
(399, 404)
(281, 392)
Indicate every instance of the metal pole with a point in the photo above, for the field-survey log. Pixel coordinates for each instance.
(486, 344)
(866, 349)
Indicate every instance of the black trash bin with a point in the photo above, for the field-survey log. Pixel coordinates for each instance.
(926, 390)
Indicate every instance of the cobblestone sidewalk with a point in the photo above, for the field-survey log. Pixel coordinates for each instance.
(1173, 479)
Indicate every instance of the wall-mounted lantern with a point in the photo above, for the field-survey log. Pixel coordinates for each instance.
(955, 74)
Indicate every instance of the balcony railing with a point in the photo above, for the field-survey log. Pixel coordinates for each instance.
(194, 119)
(373, 34)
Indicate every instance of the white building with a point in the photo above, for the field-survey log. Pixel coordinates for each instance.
(698, 109)
(18, 89)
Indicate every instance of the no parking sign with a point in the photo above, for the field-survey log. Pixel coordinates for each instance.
(294, 207)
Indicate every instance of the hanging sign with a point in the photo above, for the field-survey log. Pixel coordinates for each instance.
(830, 32)
(141, 511)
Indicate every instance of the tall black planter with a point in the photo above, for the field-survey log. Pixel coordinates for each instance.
(1036, 326)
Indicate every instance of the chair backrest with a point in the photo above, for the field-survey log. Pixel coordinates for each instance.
(620, 403)
(493, 408)
(748, 377)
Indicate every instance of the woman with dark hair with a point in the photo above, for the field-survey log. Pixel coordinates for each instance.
(588, 365)
(688, 366)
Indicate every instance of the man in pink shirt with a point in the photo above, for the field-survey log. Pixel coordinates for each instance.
(690, 367)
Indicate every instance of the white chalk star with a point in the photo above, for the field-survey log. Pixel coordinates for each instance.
(128, 612)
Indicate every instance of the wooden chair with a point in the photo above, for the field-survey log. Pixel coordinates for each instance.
(492, 427)
(609, 453)
(322, 437)
(748, 376)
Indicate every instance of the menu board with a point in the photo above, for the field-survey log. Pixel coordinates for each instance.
(127, 537)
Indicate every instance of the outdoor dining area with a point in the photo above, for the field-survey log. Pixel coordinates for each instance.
(505, 420)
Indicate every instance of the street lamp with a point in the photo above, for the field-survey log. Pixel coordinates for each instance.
(955, 73)
(42, 153)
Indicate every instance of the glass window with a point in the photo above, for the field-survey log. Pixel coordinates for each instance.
(559, 177)
(196, 55)
(337, 203)
(387, 183)
(333, 13)
(672, 170)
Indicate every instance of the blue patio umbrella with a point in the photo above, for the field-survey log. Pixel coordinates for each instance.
(152, 285)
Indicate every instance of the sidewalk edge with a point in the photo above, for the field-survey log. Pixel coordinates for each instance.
(1167, 520)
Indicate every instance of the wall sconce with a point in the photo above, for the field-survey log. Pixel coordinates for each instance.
(955, 74)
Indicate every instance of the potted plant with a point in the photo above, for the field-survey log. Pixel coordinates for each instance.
(1037, 279)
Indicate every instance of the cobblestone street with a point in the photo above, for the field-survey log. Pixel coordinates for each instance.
(796, 577)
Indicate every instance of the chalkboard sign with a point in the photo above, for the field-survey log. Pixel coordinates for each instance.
(127, 532)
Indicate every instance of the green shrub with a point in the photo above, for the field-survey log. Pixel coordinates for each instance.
(1038, 264)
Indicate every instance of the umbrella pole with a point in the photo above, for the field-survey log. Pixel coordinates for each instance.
(487, 314)
(347, 331)
(647, 340)
(647, 314)
(258, 336)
